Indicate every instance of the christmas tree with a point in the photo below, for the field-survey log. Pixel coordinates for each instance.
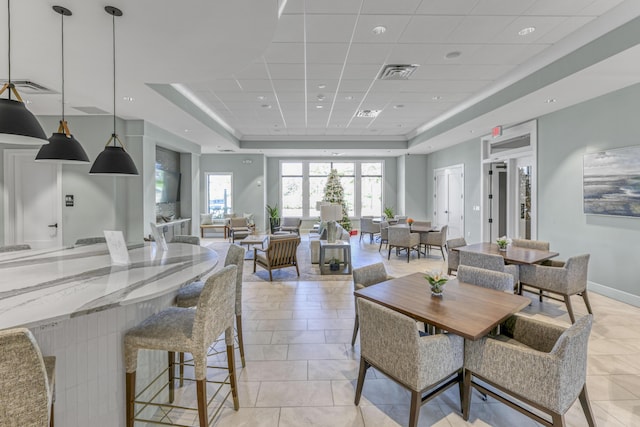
(334, 193)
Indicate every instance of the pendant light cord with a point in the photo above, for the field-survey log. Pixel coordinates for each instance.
(114, 75)
(9, 41)
(62, 41)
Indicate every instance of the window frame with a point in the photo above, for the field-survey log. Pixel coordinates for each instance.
(207, 193)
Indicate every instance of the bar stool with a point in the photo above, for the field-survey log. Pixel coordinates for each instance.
(27, 381)
(188, 296)
(184, 330)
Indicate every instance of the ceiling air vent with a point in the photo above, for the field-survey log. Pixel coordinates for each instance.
(27, 86)
(226, 150)
(397, 71)
(368, 113)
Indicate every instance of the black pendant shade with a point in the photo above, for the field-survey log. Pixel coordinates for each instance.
(18, 125)
(114, 161)
(62, 149)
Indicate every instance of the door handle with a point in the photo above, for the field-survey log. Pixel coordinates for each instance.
(53, 225)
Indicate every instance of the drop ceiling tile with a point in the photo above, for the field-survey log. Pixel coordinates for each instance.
(394, 24)
(599, 7)
(501, 7)
(216, 85)
(479, 29)
(430, 29)
(320, 71)
(286, 71)
(514, 54)
(369, 53)
(289, 85)
(554, 7)
(357, 86)
(329, 28)
(448, 7)
(256, 70)
(284, 53)
(324, 6)
(390, 7)
(366, 72)
(453, 72)
(253, 85)
(568, 26)
(326, 53)
(542, 24)
(289, 29)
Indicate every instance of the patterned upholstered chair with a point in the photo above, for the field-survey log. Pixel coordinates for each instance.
(537, 363)
(238, 229)
(453, 257)
(363, 277)
(290, 224)
(531, 244)
(188, 295)
(569, 278)
(403, 238)
(384, 234)
(281, 253)
(191, 240)
(13, 248)
(486, 278)
(489, 262)
(436, 239)
(368, 227)
(26, 381)
(184, 330)
(389, 341)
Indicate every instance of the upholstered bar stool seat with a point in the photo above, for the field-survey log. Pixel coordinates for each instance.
(184, 330)
(27, 381)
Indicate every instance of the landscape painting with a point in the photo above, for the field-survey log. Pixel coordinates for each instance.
(611, 182)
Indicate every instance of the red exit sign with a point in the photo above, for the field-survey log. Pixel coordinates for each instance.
(496, 131)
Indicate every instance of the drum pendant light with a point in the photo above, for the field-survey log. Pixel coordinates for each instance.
(62, 146)
(114, 160)
(17, 124)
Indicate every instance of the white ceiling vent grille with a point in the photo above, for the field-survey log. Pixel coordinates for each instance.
(368, 113)
(397, 71)
(27, 86)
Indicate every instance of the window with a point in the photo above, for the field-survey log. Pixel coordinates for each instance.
(302, 186)
(219, 194)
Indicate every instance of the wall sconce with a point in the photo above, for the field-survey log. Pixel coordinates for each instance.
(247, 161)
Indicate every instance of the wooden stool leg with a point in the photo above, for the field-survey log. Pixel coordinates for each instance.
(232, 375)
(466, 401)
(414, 412)
(51, 415)
(356, 325)
(130, 385)
(172, 362)
(201, 390)
(240, 339)
(181, 369)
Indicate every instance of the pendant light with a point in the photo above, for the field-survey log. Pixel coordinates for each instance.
(114, 160)
(62, 146)
(17, 124)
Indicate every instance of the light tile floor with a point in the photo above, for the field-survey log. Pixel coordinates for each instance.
(301, 369)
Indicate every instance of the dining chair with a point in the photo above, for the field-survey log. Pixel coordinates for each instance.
(530, 244)
(489, 262)
(368, 227)
(384, 234)
(565, 279)
(437, 239)
(400, 219)
(486, 278)
(453, 257)
(536, 363)
(403, 238)
(27, 381)
(188, 297)
(184, 330)
(13, 248)
(425, 365)
(363, 277)
(181, 238)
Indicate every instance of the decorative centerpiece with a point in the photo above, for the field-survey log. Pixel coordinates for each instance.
(410, 222)
(503, 242)
(437, 282)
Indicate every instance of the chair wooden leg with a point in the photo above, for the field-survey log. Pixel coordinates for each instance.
(408, 254)
(461, 388)
(297, 271)
(540, 292)
(442, 251)
(270, 276)
(586, 406)
(181, 369)
(356, 325)
(361, 374)
(380, 248)
(414, 412)
(466, 401)
(240, 339)
(172, 362)
(201, 391)
(586, 301)
(389, 255)
(51, 412)
(567, 301)
(130, 385)
(232, 375)
(254, 262)
(557, 420)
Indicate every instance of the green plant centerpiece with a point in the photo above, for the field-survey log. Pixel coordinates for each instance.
(334, 264)
(388, 212)
(502, 243)
(436, 280)
(274, 217)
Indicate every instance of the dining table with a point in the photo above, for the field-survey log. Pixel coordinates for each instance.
(464, 309)
(512, 255)
(78, 307)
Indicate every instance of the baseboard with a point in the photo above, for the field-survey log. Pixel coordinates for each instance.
(615, 294)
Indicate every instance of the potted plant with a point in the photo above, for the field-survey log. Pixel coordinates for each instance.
(502, 243)
(388, 212)
(334, 264)
(436, 280)
(274, 217)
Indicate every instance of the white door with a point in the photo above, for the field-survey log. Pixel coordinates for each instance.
(449, 200)
(33, 211)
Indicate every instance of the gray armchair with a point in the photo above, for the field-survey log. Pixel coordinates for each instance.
(368, 227)
(400, 237)
(238, 229)
(531, 244)
(489, 262)
(290, 224)
(363, 277)
(384, 234)
(486, 278)
(540, 364)
(389, 341)
(565, 280)
(436, 239)
(453, 257)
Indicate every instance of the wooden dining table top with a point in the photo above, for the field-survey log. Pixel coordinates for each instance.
(513, 254)
(464, 309)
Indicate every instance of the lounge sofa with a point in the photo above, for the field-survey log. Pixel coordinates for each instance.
(314, 244)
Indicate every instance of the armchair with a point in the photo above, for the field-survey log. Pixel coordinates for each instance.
(453, 257)
(389, 341)
(540, 364)
(384, 234)
(489, 262)
(402, 237)
(438, 239)
(363, 277)
(368, 227)
(565, 280)
(290, 224)
(486, 278)
(238, 228)
(281, 253)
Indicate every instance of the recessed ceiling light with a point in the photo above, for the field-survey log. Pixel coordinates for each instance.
(380, 29)
(348, 97)
(471, 131)
(28, 101)
(322, 86)
(400, 125)
(527, 30)
(128, 98)
(453, 55)
(320, 97)
(399, 106)
(267, 106)
(319, 107)
(186, 130)
(436, 98)
(550, 100)
(261, 97)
